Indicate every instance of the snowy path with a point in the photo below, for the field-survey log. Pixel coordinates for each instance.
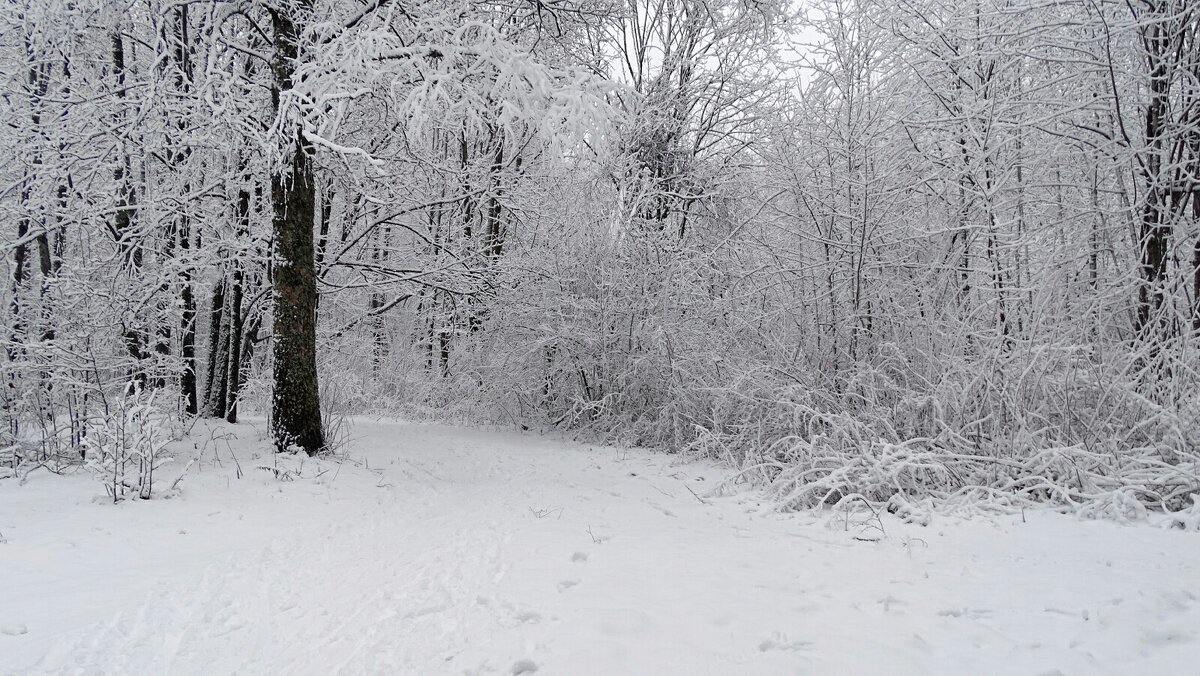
(469, 552)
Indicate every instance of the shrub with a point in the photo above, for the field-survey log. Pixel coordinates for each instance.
(125, 446)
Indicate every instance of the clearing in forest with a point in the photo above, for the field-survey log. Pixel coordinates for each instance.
(439, 550)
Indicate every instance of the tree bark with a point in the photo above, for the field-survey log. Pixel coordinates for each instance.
(233, 377)
(1196, 263)
(182, 56)
(126, 206)
(187, 340)
(218, 355)
(1155, 230)
(295, 406)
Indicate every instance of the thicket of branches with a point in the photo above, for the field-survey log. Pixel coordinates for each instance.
(912, 252)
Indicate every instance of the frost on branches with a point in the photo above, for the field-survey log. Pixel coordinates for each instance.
(125, 447)
(913, 257)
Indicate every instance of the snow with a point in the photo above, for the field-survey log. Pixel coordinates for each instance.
(438, 550)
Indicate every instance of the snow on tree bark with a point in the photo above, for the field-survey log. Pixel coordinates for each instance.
(295, 401)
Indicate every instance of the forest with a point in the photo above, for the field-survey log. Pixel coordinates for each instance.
(868, 251)
(729, 337)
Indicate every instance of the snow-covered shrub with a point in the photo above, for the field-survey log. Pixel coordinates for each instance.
(1185, 519)
(125, 447)
(8, 460)
(335, 413)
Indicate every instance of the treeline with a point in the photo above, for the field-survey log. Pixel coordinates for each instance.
(902, 251)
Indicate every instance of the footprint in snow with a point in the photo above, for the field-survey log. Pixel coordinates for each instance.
(566, 584)
(529, 616)
(970, 613)
(780, 642)
(13, 628)
(1167, 636)
(579, 557)
(526, 666)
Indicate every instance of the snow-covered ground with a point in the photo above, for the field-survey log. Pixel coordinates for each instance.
(450, 551)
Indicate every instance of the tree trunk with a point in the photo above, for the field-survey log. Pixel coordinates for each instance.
(1196, 263)
(20, 270)
(375, 304)
(181, 54)
(1155, 230)
(218, 354)
(187, 341)
(233, 377)
(122, 223)
(233, 364)
(38, 84)
(295, 406)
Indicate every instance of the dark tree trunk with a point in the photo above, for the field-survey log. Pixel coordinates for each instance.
(122, 223)
(1196, 263)
(39, 83)
(495, 225)
(233, 375)
(181, 58)
(20, 268)
(326, 205)
(1191, 169)
(250, 340)
(46, 267)
(236, 321)
(187, 342)
(295, 406)
(1155, 230)
(162, 332)
(187, 324)
(21, 329)
(218, 354)
(375, 303)
(444, 350)
(226, 326)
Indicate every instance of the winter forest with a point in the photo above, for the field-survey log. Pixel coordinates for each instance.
(805, 281)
